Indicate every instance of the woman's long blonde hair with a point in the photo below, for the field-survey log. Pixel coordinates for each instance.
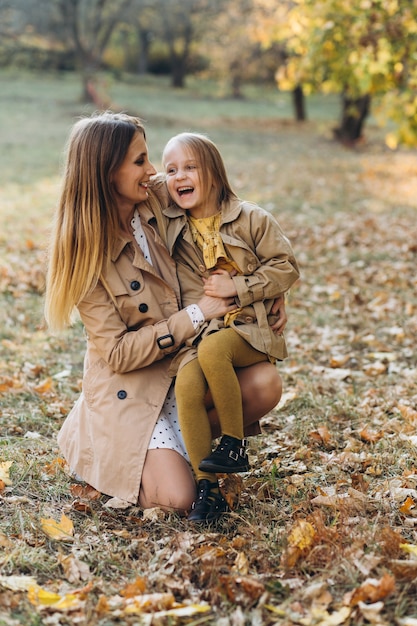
(87, 220)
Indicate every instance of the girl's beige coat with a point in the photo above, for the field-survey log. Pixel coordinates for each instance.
(254, 240)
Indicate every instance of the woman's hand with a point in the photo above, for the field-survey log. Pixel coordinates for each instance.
(278, 308)
(216, 307)
(220, 284)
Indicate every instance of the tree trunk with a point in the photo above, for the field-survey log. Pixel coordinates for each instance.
(299, 103)
(93, 92)
(354, 114)
(178, 72)
(145, 42)
(237, 87)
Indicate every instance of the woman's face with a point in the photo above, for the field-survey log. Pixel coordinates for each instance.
(130, 181)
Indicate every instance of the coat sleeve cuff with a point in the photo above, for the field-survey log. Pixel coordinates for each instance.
(248, 289)
(164, 339)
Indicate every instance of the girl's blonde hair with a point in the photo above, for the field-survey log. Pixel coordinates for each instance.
(211, 162)
(87, 220)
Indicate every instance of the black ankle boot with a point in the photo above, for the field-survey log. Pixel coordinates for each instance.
(209, 504)
(229, 457)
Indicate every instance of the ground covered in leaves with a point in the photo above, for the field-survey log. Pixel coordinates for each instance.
(324, 531)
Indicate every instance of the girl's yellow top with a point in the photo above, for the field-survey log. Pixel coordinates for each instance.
(206, 235)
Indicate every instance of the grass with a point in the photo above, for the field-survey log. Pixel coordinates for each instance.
(338, 453)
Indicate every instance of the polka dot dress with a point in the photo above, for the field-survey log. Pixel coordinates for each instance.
(167, 433)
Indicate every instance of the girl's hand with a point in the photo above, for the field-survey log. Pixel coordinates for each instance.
(220, 284)
(278, 308)
(216, 307)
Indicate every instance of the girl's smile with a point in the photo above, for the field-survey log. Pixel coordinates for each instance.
(185, 182)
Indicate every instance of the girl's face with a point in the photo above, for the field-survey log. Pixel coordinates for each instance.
(186, 184)
(130, 181)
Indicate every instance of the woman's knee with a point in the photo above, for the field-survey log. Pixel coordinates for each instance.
(167, 481)
(261, 387)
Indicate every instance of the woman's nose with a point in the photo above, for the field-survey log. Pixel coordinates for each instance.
(151, 169)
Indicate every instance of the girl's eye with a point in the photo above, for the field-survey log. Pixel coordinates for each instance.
(140, 162)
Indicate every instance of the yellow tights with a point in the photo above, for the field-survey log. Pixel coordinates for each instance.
(218, 355)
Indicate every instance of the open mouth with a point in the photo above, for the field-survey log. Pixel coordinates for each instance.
(183, 191)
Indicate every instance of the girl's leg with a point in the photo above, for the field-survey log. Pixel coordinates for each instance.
(167, 481)
(218, 355)
(190, 391)
(261, 388)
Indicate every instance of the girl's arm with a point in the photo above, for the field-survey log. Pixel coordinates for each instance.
(275, 268)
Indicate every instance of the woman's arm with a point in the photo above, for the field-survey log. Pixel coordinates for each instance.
(125, 348)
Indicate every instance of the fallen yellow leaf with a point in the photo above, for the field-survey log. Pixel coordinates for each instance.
(4, 472)
(37, 596)
(59, 531)
(302, 535)
(43, 598)
(275, 609)
(409, 547)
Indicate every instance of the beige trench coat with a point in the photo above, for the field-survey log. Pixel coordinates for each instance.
(134, 325)
(254, 240)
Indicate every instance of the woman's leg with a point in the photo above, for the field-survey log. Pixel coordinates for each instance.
(261, 387)
(167, 481)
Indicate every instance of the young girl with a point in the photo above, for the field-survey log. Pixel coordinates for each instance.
(223, 247)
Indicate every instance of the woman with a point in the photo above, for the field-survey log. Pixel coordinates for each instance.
(108, 260)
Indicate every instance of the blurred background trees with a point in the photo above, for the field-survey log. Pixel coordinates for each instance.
(366, 51)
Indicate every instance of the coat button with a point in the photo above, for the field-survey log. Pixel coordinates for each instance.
(143, 307)
(202, 268)
(135, 285)
(251, 268)
(248, 319)
(122, 394)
